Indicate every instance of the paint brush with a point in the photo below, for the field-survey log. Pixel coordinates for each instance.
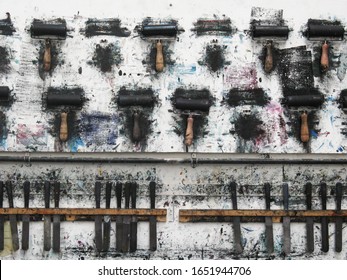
(286, 221)
(25, 218)
(309, 220)
(324, 220)
(56, 218)
(236, 221)
(119, 219)
(12, 217)
(152, 219)
(268, 221)
(47, 219)
(133, 223)
(107, 219)
(98, 218)
(1, 216)
(126, 219)
(339, 220)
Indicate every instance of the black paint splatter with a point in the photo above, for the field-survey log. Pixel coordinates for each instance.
(4, 60)
(106, 56)
(214, 58)
(248, 127)
(237, 97)
(219, 27)
(6, 26)
(266, 16)
(106, 27)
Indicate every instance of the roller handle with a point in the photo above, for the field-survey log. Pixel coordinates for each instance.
(108, 194)
(323, 194)
(47, 56)
(159, 58)
(97, 192)
(127, 194)
(233, 187)
(9, 193)
(304, 131)
(338, 196)
(308, 190)
(26, 187)
(1, 194)
(152, 186)
(63, 127)
(133, 194)
(324, 60)
(47, 193)
(119, 187)
(136, 127)
(189, 131)
(285, 196)
(56, 192)
(268, 64)
(267, 195)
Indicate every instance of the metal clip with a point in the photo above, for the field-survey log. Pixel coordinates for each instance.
(194, 160)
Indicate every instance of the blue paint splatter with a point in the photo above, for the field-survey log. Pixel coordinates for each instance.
(314, 134)
(75, 144)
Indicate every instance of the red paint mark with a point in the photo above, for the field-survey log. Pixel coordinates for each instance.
(245, 78)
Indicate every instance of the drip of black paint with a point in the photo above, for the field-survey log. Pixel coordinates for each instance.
(248, 127)
(107, 27)
(215, 57)
(106, 56)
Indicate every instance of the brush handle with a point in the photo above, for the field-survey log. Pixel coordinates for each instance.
(324, 60)
(159, 58)
(304, 132)
(136, 127)
(47, 57)
(63, 127)
(26, 188)
(268, 64)
(189, 131)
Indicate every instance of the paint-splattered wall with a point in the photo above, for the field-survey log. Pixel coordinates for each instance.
(214, 57)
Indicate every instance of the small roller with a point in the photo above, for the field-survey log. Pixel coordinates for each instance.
(270, 33)
(318, 30)
(4, 93)
(306, 100)
(70, 98)
(159, 32)
(136, 101)
(48, 31)
(191, 108)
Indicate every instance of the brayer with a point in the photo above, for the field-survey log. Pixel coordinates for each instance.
(191, 107)
(270, 33)
(324, 31)
(4, 93)
(159, 32)
(136, 101)
(68, 98)
(48, 31)
(305, 100)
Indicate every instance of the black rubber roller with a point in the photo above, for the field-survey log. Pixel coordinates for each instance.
(192, 104)
(159, 30)
(145, 100)
(304, 100)
(270, 31)
(325, 31)
(4, 93)
(57, 99)
(40, 29)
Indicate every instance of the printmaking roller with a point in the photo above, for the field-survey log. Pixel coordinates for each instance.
(269, 33)
(136, 102)
(4, 93)
(159, 32)
(304, 100)
(325, 31)
(70, 98)
(48, 31)
(191, 107)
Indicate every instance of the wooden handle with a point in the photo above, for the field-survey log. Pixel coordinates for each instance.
(47, 57)
(63, 127)
(136, 127)
(304, 133)
(268, 65)
(324, 60)
(189, 131)
(159, 59)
